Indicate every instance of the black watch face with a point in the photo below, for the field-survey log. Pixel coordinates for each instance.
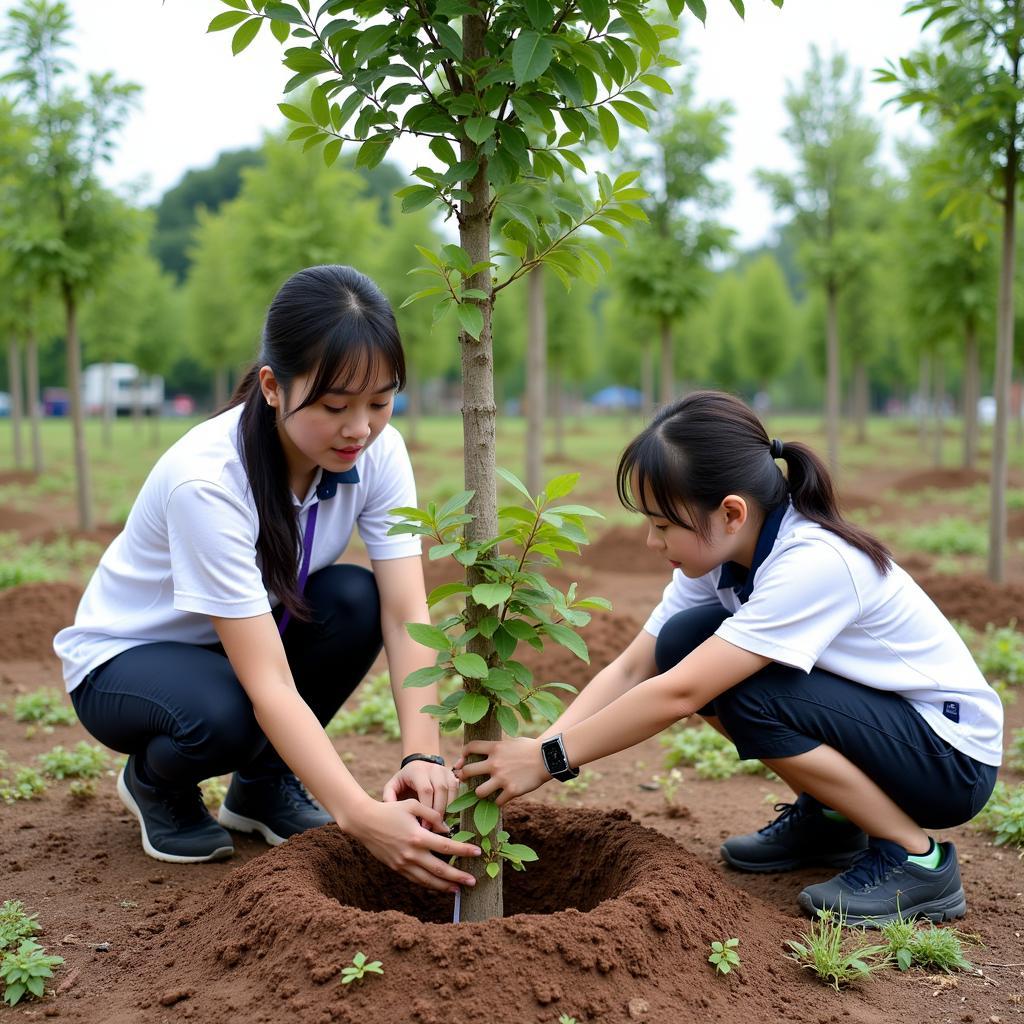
(554, 758)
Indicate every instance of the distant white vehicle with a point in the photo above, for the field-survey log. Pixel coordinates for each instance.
(987, 410)
(121, 387)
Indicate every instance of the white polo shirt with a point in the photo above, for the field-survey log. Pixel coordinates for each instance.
(188, 548)
(818, 601)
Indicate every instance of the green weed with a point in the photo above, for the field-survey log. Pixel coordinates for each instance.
(375, 711)
(951, 536)
(669, 784)
(824, 949)
(912, 943)
(1000, 654)
(45, 707)
(213, 791)
(20, 783)
(710, 754)
(15, 924)
(82, 789)
(26, 971)
(1004, 814)
(359, 968)
(724, 955)
(83, 761)
(577, 786)
(35, 562)
(1015, 758)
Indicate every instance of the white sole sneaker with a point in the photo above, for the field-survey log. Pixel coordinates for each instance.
(221, 853)
(229, 819)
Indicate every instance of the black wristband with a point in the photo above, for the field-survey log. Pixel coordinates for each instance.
(432, 758)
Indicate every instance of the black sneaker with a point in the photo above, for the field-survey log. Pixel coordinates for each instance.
(176, 825)
(800, 836)
(277, 808)
(882, 885)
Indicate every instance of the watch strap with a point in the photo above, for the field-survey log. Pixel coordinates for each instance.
(432, 758)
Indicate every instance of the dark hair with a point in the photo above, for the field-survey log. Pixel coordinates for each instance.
(708, 445)
(331, 321)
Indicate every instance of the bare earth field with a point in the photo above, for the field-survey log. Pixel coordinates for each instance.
(263, 937)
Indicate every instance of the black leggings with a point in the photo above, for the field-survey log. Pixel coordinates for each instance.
(182, 710)
(782, 711)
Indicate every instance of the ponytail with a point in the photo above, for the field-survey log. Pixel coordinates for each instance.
(813, 495)
(710, 444)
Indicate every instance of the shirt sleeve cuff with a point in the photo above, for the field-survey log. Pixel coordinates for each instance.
(241, 608)
(766, 648)
(404, 549)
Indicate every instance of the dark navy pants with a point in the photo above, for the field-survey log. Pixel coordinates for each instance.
(181, 708)
(782, 711)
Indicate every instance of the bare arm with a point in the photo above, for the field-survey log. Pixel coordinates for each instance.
(391, 832)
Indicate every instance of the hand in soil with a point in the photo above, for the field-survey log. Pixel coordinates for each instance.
(393, 834)
(515, 767)
(431, 784)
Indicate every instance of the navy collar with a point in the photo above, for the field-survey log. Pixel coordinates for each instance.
(329, 481)
(741, 579)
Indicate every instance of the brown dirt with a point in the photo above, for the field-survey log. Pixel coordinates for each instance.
(614, 916)
(945, 479)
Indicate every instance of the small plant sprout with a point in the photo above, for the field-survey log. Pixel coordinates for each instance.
(670, 783)
(822, 949)
(26, 971)
(1004, 815)
(82, 789)
(45, 707)
(724, 955)
(360, 967)
(1015, 758)
(566, 1019)
(577, 786)
(83, 761)
(20, 783)
(213, 791)
(15, 924)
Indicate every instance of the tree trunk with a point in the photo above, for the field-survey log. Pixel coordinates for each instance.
(924, 390)
(14, 373)
(220, 387)
(484, 900)
(536, 383)
(861, 400)
(971, 392)
(939, 392)
(667, 362)
(74, 354)
(32, 401)
(1004, 372)
(832, 375)
(414, 408)
(558, 404)
(647, 381)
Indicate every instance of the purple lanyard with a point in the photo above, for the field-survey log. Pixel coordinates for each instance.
(307, 551)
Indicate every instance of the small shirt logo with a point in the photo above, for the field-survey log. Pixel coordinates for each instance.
(951, 709)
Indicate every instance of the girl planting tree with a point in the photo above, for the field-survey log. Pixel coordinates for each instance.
(218, 634)
(796, 636)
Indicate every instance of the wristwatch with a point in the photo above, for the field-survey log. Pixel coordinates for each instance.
(555, 761)
(432, 758)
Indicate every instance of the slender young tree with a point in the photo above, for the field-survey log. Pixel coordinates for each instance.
(835, 145)
(974, 87)
(76, 222)
(477, 80)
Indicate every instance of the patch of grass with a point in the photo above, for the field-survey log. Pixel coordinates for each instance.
(45, 707)
(1015, 755)
(82, 789)
(1004, 814)
(83, 761)
(1000, 654)
(913, 944)
(35, 562)
(954, 535)
(19, 782)
(375, 711)
(827, 949)
(710, 754)
(15, 924)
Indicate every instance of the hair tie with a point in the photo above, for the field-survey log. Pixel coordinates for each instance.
(776, 448)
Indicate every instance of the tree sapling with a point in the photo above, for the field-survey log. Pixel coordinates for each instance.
(360, 967)
(724, 955)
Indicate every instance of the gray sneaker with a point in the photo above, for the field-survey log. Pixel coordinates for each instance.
(175, 823)
(276, 808)
(881, 885)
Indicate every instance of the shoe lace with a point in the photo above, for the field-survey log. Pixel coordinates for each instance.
(296, 792)
(789, 816)
(186, 805)
(870, 867)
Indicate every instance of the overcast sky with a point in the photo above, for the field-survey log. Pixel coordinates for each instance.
(199, 100)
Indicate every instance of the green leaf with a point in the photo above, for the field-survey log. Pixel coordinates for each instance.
(373, 151)
(485, 817)
(480, 129)
(561, 485)
(294, 113)
(245, 35)
(568, 639)
(738, 6)
(507, 719)
(492, 869)
(227, 20)
(520, 629)
(633, 114)
(531, 55)
(416, 197)
(596, 12)
(320, 107)
(443, 550)
(448, 38)
(473, 707)
(504, 643)
(280, 31)
(282, 12)
(429, 636)
(512, 479)
(490, 595)
(471, 666)
(331, 151)
(472, 319)
(446, 590)
(609, 127)
(518, 851)
(425, 676)
(700, 11)
(461, 803)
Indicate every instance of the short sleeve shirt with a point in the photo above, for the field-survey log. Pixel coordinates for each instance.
(188, 548)
(813, 599)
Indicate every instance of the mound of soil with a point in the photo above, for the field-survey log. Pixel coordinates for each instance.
(624, 549)
(32, 614)
(945, 479)
(974, 599)
(613, 924)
